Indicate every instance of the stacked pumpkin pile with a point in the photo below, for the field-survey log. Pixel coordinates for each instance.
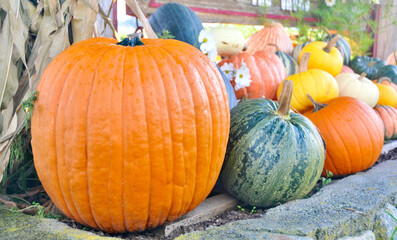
(138, 137)
(353, 114)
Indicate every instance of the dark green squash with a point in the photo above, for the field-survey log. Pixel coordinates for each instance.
(368, 65)
(273, 155)
(343, 46)
(179, 20)
(389, 71)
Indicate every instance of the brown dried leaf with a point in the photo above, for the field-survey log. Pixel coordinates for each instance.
(19, 31)
(4, 156)
(7, 67)
(84, 17)
(9, 204)
(48, 50)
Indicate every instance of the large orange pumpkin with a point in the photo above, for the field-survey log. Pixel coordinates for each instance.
(353, 133)
(392, 58)
(127, 137)
(266, 70)
(273, 32)
(389, 117)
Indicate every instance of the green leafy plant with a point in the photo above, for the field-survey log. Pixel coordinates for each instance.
(326, 180)
(165, 34)
(352, 19)
(253, 210)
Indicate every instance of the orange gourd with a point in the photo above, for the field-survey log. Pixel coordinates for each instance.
(392, 58)
(353, 133)
(266, 70)
(324, 56)
(126, 138)
(273, 32)
(389, 117)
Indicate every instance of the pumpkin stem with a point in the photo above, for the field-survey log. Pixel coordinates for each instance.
(285, 99)
(317, 105)
(331, 43)
(362, 76)
(304, 63)
(384, 79)
(268, 23)
(133, 4)
(326, 30)
(131, 40)
(273, 45)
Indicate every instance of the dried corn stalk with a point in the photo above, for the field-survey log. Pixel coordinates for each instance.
(32, 33)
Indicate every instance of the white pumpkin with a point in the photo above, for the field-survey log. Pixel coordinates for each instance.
(229, 41)
(360, 87)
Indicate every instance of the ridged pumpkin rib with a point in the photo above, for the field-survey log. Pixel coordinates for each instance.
(48, 167)
(63, 127)
(213, 91)
(357, 154)
(134, 151)
(159, 201)
(338, 161)
(168, 150)
(204, 125)
(76, 158)
(180, 197)
(319, 123)
(378, 122)
(115, 184)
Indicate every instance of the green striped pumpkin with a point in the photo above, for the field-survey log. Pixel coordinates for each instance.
(343, 46)
(290, 64)
(271, 158)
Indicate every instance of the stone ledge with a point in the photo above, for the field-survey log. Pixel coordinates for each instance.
(15, 225)
(343, 208)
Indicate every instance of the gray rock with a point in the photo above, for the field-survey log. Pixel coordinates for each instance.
(367, 235)
(343, 208)
(384, 223)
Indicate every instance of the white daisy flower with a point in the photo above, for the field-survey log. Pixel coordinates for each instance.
(330, 3)
(243, 77)
(206, 37)
(211, 54)
(205, 47)
(228, 70)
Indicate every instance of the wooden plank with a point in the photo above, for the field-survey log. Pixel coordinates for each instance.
(228, 11)
(389, 147)
(210, 207)
(386, 39)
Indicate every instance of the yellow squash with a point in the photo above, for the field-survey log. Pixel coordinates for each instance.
(387, 94)
(321, 85)
(324, 56)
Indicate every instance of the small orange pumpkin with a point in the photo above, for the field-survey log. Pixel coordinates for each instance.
(353, 133)
(266, 69)
(389, 118)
